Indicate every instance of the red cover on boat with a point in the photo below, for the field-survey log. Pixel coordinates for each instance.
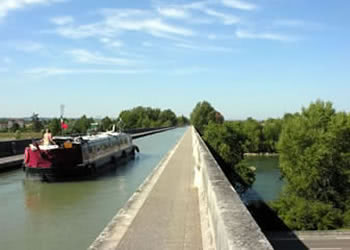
(37, 159)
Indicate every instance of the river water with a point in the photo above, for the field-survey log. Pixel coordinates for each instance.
(268, 183)
(70, 215)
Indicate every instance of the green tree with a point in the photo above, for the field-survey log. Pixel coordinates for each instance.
(146, 122)
(253, 131)
(168, 118)
(129, 118)
(55, 126)
(227, 142)
(37, 125)
(106, 124)
(18, 134)
(82, 125)
(202, 114)
(314, 149)
(15, 127)
(153, 114)
(182, 121)
(141, 117)
(271, 132)
(304, 214)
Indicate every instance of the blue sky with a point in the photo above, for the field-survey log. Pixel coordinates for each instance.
(258, 58)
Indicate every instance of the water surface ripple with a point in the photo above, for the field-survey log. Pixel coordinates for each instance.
(70, 215)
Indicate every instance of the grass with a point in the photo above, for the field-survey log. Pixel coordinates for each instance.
(24, 135)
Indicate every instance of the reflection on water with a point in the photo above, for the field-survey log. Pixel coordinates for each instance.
(268, 183)
(70, 215)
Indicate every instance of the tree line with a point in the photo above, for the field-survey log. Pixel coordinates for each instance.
(139, 117)
(314, 152)
(225, 141)
(260, 136)
(147, 117)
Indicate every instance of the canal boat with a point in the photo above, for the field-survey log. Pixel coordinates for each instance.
(75, 157)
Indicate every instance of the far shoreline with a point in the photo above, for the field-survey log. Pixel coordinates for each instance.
(261, 154)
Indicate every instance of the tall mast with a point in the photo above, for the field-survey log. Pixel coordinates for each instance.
(61, 120)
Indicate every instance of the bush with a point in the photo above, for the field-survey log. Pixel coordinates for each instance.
(18, 134)
(227, 143)
(314, 148)
(203, 114)
(303, 214)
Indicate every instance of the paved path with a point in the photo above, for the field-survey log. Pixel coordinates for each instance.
(169, 218)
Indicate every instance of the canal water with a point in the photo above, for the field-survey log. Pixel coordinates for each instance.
(268, 183)
(70, 215)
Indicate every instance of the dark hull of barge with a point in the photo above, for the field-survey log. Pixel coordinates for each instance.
(57, 171)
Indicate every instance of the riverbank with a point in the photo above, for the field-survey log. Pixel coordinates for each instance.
(261, 154)
(7, 136)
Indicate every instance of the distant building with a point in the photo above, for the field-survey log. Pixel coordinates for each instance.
(11, 123)
(3, 125)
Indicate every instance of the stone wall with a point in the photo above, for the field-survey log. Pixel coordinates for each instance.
(13, 147)
(230, 225)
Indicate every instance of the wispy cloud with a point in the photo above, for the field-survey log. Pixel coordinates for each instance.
(198, 5)
(173, 12)
(226, 18)
(220, 37)
(62, 20)
(117, 21)
(8, 5)
(204, 47)
(85, 31)
(238, 4)
(265, 36)
(64, 71)
(111, 42)
(297, 23)
(87, 57)
(203, 7)
(148, 25)
(167, 36)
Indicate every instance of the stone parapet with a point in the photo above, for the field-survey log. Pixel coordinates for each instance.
(230, 225)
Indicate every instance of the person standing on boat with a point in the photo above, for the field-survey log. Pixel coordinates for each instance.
(47, 140)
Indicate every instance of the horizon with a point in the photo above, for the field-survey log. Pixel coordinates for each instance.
(100, 117)
(247, 58)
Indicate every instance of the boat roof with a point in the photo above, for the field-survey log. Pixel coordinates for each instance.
(99, 136)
